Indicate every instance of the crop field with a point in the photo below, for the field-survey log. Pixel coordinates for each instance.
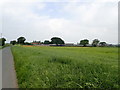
(66, 67)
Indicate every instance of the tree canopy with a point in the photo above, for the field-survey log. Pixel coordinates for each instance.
(102, 43)
(84, 42)
(2, 41)
(13, 42)
(46, 42)
(21, 40)
(57, 41)
(95, 42)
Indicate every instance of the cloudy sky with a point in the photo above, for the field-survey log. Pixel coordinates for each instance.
(71, 20)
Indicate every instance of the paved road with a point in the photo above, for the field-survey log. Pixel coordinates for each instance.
(0, 69)
(8, 72)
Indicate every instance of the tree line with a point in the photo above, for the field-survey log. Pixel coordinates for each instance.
(54, 40)
(94, 43)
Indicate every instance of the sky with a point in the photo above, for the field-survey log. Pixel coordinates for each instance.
(71, 20)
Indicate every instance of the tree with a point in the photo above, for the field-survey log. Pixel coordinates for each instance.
(57, 41)
(13, 42)
(46, 42)
(95, 42)
(84, 42)
(42, 42)
(2, 41)
(102, 43)
(21, 40)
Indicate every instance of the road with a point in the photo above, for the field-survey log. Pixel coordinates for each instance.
(0, 69)
(8, 71)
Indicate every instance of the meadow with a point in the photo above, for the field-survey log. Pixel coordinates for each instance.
(66, 67)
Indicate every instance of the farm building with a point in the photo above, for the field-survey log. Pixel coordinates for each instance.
(69, 44)
(36, 43)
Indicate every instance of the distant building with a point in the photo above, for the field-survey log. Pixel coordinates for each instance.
(113, 45)
(79, 45)
(56, 45)
(36, 43)
(89, 45)
(69, 44)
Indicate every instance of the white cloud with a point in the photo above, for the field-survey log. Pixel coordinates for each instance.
(99, 19)
(57, 24)
(90, 20)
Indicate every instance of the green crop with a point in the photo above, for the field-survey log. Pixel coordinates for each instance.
(66, 67)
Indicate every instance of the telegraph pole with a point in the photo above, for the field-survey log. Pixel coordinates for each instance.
(1, 35)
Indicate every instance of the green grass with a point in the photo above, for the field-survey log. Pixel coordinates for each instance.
(66, 67)
(6, 45)
(0, 47)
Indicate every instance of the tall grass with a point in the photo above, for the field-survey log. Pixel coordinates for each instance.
(66, 67)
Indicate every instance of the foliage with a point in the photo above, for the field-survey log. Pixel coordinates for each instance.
(46, 42)
(13, 42)
(21, 40)
(6, 45)
(2, 41)
(84, 42)
(57, 40)
(66, 67)
(102, 43)
(95, 42)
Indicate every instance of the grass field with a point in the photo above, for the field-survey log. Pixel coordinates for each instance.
(66, 67)
(0, 47)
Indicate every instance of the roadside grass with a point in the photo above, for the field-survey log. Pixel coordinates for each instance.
(66, 67)
(0, 47)
(6, 45)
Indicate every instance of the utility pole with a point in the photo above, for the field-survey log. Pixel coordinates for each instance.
(1, 35)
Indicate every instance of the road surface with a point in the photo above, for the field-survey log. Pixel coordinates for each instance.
(0, 69)
(8, 71)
